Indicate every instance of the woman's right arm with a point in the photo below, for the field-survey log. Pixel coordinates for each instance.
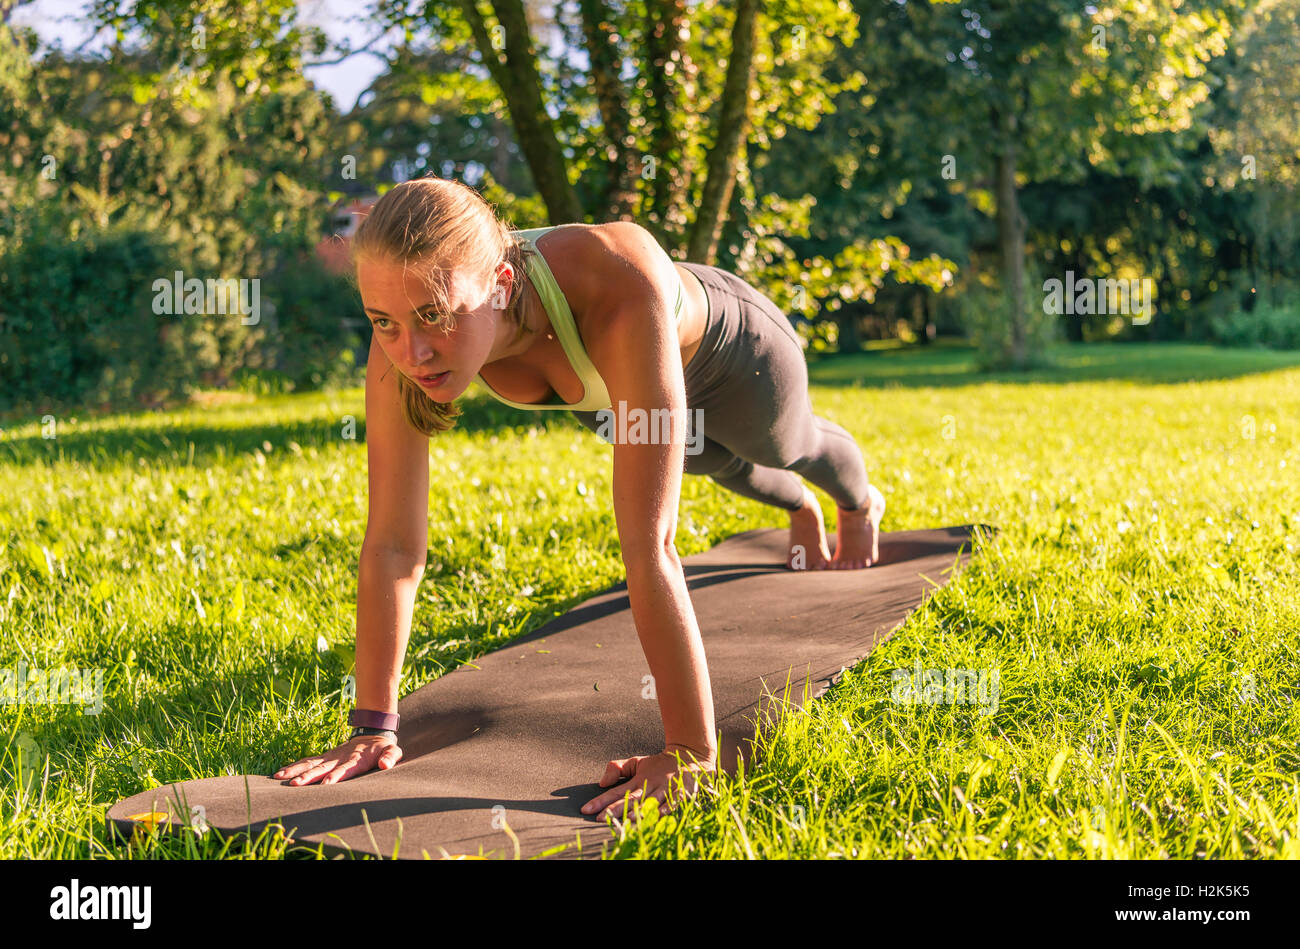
(389, 571)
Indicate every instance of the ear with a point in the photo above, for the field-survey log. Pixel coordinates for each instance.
(505, 285)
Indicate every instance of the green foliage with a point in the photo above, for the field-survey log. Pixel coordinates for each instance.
(1266, 326)
(1087, 86)
(1132, 120)
(429, 113)
(1255, 133)
(520, 210)
(218, 154)
(818, 287)
(819, 336)
(77, 323)
(1118, 89)
(194, 44)
(260, 382)
(1260, 98)
(314, 347)
(983, 309)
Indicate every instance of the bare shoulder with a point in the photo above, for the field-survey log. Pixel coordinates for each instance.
(602, 267)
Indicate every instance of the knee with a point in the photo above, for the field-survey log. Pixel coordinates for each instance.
(789, 454)
(715, 465)
(734, 468)
(709, 458)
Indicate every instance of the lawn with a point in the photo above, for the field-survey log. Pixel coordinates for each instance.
(1138, 610)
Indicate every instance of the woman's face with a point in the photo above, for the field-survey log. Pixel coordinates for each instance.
(396, 299)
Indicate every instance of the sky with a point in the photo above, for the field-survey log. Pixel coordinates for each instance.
(61, 22)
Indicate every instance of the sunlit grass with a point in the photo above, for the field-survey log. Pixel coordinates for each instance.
(1139, 607)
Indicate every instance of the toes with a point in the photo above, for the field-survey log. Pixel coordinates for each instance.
(847, 564)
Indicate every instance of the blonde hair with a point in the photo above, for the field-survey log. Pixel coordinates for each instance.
(437, 226)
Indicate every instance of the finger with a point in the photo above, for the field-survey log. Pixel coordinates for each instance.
(619, 769)
(311, 774)
(344, 770)
(625, 802)
(390, 757)
(630, 805)
(299, 766)
(666, 795)
(605, 800)
(680, 787)
(658, 795)
(295, 769)
(673, 796)
(601, 800)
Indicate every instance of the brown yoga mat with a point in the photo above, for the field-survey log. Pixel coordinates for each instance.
(514, 744)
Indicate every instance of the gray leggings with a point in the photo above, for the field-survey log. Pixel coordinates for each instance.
(750, 380)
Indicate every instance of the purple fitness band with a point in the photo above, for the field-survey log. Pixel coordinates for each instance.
(367, 718)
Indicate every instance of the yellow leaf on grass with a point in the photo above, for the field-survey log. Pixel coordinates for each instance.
(235, 612)
(1054, 769)
(150, 819)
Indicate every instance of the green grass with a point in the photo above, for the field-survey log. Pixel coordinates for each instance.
(1139, 606)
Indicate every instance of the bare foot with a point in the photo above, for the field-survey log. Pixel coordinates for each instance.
(808, 549)
(857, 541)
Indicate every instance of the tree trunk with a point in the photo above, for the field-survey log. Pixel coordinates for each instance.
(619, 194)
(669, 68)
(1074, 328)
(1074, 322)
(1011, 238)
(733, 121)
(500, 154)
(516, 75)
(850, 340)
(1161, 325)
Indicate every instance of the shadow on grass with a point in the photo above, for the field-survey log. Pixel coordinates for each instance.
(938, 365)
(229, 439)
(946, 364)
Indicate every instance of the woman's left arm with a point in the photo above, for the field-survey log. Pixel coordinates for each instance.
(638, 356)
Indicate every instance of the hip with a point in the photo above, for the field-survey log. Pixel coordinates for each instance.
(744, 331)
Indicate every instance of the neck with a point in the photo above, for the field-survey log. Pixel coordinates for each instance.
(536, 326)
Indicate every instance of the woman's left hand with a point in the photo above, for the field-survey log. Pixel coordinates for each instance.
(667, 777)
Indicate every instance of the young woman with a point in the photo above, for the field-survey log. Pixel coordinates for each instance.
(580, 318)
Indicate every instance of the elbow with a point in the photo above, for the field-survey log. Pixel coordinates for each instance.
(659, 558)
(396, 561)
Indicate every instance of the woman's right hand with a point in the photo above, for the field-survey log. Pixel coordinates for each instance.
(355, 756)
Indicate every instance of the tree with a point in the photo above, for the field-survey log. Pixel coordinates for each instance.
(198, 131)
(1012, 93)
(611, 139)
(1256, 136)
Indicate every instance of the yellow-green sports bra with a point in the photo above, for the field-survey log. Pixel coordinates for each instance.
(595, 395)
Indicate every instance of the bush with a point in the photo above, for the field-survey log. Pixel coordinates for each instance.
(77, 326)
(1268, 327)
(317, 325)
(818, 337)
(261, 382)
(983, 312)
(77, 323)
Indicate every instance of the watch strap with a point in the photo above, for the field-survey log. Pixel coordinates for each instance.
(368, 718)
(359, 731)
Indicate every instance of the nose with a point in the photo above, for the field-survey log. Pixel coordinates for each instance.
(417, 352)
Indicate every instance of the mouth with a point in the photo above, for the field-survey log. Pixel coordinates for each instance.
(433, 381)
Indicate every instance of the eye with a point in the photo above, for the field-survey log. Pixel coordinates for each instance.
(440, 320)
(428, 318)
